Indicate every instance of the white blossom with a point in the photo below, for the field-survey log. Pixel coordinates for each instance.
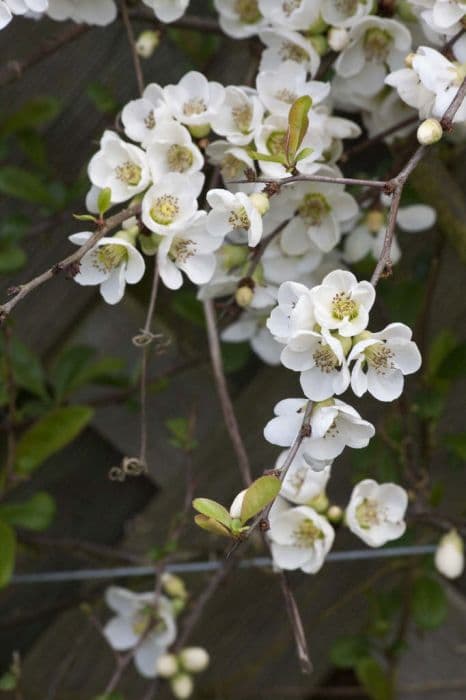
(111, 263)
(170, 205)
(278, 89)
(143, 622)
(287, 45)
(194, 100)
(240, 18)
(238, 117)
(99, 12)
(376, 512)
(172, 151)
(342, 303)
(251, 327)
(167, 10)
(291, 14)
(305, 479)
(232, 161)
(345, 14)
(232, 212)
(141, 117)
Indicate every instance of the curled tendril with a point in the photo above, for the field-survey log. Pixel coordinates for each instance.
(130, 466)
(145, 338)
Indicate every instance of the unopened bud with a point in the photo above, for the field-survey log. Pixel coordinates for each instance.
(319, 26)
(167, 665)
(149, 243)
(320, 502)
(146, 43)
(375, 219)
(128, 235)
(174, 586)
(449, 556)
(243, 296)
(260, 201)
(235, 508)
(335, 515)
(182, 686)
(199, 131)
(194, 659)
(429, 132)
(320, 44)
(409, 60)
(337, 38)
(345, 342)
(233, 256)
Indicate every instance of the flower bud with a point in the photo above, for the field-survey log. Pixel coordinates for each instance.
(260, 201)
(429, 132)
(449, 556)
(320, 44)
(149, 243)
(174, 586)
(319, 26)
(243, 296)
(335, 515)
(194, 659)
(235, 508)
(233, 256)
(319, 503)
(146, 43)
(409, 60)
(199, 131)
(167, 665)
(337, 38)
(182, 686)
(375, 219)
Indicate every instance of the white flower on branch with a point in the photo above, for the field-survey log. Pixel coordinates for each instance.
(286, 45)
(305, 479)
(342, 303)
(443, 16)
(240, 18)
(8, 8)
(144, 622)
(112, 263)
(251, 327)
(299, 537)
(172, 151)
(141, 117)
(170, 205)
(194, 101)
(290, 14)
(278, 89)
(232, 161)
(345, 14)
(120, 166)
(376, 512)
(99, 12)
(233, 212)
(381, 361)
(239, 116)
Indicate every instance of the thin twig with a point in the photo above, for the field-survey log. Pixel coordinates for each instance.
(367, 143)
(132, 43)
(378, 184)
(11, 391)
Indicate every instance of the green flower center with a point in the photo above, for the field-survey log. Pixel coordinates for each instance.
(248, 11)
(164, 209)
(314, 208)
(344, 307)
(109, 257)
(368, 514)
(129, 172)
(377, 43)
(307, 534)
(179, 158)
(276, 143)
(242, 117)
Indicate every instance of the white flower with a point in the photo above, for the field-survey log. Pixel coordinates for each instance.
(278, 89)
(111, 263)
(344, 14)
(374, 43)
(167, 10)
(141, 621)
(291, 14)
(8, 8)
(251, 326)
(293, 315)
(240, 18)
(120, 166)
(141, 117)
(233, 161)
(283, 45)
(195, 100)
(334, 425)
(381, 360)
(99, 12)
(299, 538)
(172, 151)
(323, 209)
(296, 258)
(449, 555)
(342, 303)
(303, 481)
(191, 250)
(238, 117)
(443, 15)
(376, 512)
(232, 212)
(5, 14)
(169, 205)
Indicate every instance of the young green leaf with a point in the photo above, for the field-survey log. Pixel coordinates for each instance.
(298, 124)
(429, 603)
(49, 435)
(85, 217)
(277, 158)
(212, 509)
(104, 200)
(34, 514)
(7, 553)
(212, 526)
(259, 495)
(32, 114)
(374, 679)
(22, 184)
(346, 652)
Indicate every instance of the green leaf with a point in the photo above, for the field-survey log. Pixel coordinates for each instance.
(27, 369)
(347, 651)
(7, 553)
(180, 433)
(235, 356)
(104, 200)
(429, 603)
(22, 184)
(102, 98)
(49, 435)
(441, 346)
(75, 368)
(453, 365)
(85, 217)
(298, 124)
(8, 681)
(304, 153)
(212, 509)
(12, 258)
(212, 526)
(189, 308)
(261, 492)
(374, 679)
(34, 113)
(277, 158)
(35, 514)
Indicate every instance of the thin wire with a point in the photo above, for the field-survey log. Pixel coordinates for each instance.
(204, 566)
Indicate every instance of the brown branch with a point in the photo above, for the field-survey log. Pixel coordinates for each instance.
(70, 262)
(378, 184)
(367, 143)
(231, 422)
(207, 25)
(132, 43)
(296, 624)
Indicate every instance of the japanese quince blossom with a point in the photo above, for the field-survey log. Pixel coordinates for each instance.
(171, 204)
(239, 116)
(430, 85)
(287, 45)
(291, 15)
(344, 14)
(251, 326)
(233, 212)
(381, 361)
(142, 622)
(279, 88)
(120, 166)
(299, 537)
(305, 479)
(333, 424)
(8, 8)
(111, 263)
(141, 117)
(172, 151)
(376, 512)
(194, 101)
(167, 10)
(342, 303)
(442, 16)
(99, 12)
(240, 18)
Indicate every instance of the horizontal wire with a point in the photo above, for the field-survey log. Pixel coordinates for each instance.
(204, 566)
